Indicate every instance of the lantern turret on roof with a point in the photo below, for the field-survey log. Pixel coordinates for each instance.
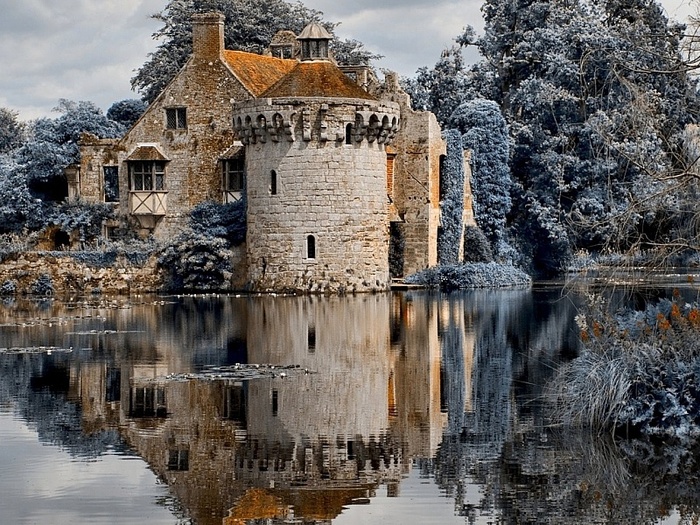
(314, 40)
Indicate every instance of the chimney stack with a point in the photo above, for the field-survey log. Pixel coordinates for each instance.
(207, 36)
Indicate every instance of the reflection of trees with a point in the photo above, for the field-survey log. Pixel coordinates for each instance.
(513, 342)
(500, 461)
(38, 387)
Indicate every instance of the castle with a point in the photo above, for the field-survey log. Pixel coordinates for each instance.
(336, 166)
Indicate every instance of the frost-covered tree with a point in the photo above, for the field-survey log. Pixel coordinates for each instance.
(249, 26)
(52, 145)
(442, 88)
(596, 99)
(485, 133)
(11, 131)
(452, 199)
(126, 112)
(19, 209)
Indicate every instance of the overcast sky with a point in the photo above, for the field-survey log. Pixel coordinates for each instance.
(89, 49)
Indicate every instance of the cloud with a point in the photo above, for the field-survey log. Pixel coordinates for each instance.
(75, 49)
(89, 50)
(409, 35)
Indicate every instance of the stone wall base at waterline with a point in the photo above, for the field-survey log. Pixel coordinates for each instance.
(70, 276)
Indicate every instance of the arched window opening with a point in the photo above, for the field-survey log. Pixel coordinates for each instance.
(310, 247)
(348, 133)
(273, 182)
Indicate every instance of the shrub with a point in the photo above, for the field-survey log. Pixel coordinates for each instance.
(12, 244)
(477, 275)
(227, 221)
(477, 248)
(85, 218)
(636, 372)
(196, 262)
(9, 287)
(42, 286)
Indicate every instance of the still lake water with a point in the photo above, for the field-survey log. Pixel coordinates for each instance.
(402, 408)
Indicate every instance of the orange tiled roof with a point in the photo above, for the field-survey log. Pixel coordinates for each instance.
(257, 72)
(316, 79)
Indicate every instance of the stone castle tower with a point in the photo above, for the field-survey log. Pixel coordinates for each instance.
(316, 171)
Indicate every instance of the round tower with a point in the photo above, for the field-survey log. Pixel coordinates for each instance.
(316, 180)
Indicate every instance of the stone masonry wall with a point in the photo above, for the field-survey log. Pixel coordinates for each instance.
(95, 153)
(193, 171)
(331, 190)
(204, 88)
(70, 276)
(419, 146)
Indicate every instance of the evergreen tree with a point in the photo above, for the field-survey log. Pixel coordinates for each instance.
(442, 88)
(126, 112)
(485, 133)
(11, 131)
(452, 199)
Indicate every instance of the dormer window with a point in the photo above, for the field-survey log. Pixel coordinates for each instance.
(283, 44)
(176, 118)
(282, 51)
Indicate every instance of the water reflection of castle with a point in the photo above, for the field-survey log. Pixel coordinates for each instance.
(299, 448)
(440, 385)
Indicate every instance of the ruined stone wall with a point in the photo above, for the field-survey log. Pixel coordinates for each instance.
(70, 276)
(419, 146)
(468, 211)
(326, 188)
(95, 154)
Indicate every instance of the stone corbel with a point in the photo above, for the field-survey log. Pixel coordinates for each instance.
(306, 124)
(323, 135)
(373, 130)
(260, 130)
(288, 119)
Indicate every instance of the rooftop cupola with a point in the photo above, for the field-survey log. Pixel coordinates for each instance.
(314, 42)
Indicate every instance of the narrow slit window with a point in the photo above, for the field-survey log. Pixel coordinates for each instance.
(311, 247)
(273, 182)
